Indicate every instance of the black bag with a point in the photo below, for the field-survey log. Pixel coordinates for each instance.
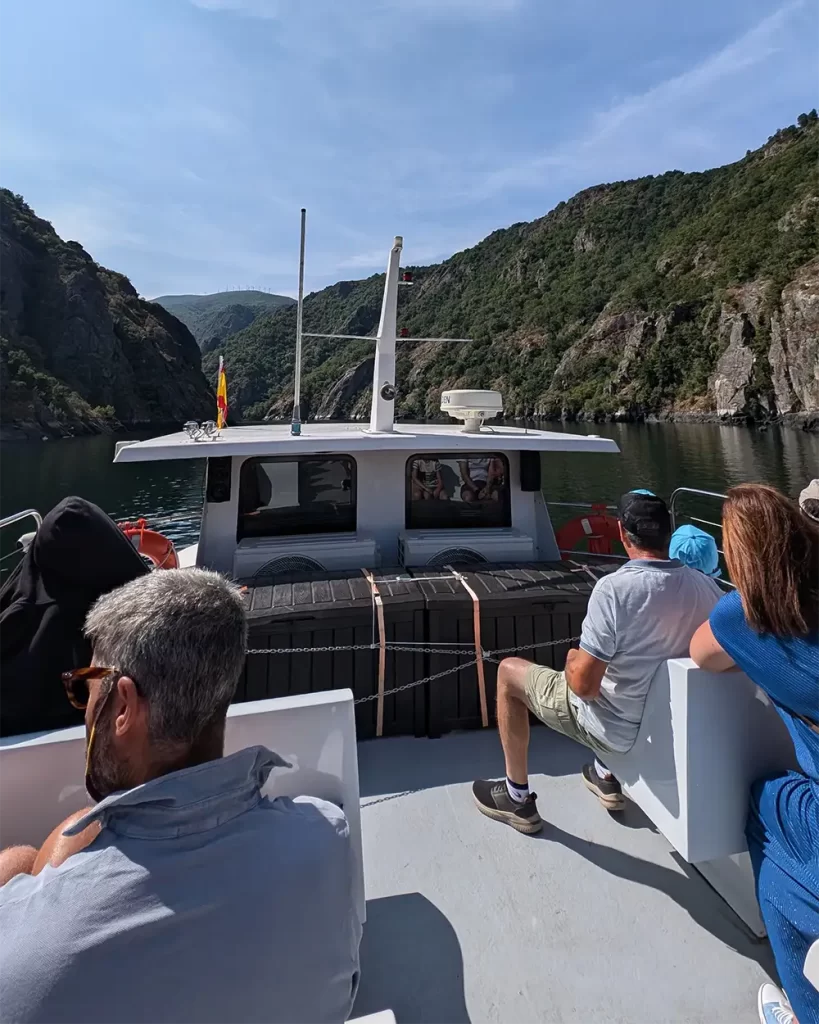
(77, 554)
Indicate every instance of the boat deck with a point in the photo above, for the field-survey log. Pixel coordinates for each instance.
(595, 920)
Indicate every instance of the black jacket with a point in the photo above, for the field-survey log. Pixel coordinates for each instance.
(78, 554)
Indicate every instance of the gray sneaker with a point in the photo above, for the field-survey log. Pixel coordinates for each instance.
(493, 800)
(608, 791)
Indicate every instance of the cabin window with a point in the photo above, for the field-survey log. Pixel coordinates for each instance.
(457, 490)
(286, 496)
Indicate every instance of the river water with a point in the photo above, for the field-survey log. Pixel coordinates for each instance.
(657, 456)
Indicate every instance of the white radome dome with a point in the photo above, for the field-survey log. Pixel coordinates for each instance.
(473, 407)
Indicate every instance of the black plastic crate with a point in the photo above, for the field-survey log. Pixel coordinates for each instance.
(520, 605)
(322, 610)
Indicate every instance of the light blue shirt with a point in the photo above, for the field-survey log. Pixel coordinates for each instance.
(201, 900)
(639, 616)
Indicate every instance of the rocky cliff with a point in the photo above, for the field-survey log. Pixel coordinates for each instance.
(685, 295)
(80, 352)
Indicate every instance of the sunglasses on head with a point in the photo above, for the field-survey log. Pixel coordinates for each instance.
(76, 683)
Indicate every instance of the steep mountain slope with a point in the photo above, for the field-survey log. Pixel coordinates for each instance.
(212, 319)
(79, 350)
(676, 294)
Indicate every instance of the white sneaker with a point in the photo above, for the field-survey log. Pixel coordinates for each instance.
(773, 1006)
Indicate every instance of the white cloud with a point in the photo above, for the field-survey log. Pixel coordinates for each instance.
(671, 118)
(456, 8)
(249, 8)
(97, 221)
(405, 9)
(375, 260)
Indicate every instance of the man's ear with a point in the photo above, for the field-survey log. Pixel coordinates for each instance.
(129, 707)
(622, 532)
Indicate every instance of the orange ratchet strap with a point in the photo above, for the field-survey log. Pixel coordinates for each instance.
(476, 621)
(382, 652)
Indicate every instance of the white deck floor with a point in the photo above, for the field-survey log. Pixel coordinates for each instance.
(596, 920)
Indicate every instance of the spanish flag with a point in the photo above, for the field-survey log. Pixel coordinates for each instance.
(221, 397)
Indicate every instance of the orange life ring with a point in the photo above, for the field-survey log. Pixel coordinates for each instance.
(597, 528)
(155, 546)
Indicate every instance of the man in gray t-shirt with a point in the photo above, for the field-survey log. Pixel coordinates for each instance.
(639, 616)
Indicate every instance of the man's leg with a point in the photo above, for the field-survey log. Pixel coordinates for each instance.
(513, 719)
(509, 800)
(16, 860)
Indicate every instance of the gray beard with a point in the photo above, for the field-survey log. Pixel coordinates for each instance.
(106, 774)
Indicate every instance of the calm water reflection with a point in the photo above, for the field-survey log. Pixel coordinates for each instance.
(37, 474)
(658, 456)
(662, 456)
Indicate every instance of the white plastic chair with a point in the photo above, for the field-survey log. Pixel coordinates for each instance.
(42, 774)
(704, 739)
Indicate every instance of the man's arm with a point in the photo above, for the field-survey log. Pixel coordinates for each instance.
(584, 673)
(16, 860)
(586, 667)
(706, 651)
(26, 860)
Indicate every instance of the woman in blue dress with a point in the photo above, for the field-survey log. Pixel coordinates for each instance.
(769, 628)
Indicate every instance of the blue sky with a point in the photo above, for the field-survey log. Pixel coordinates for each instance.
(177, 139)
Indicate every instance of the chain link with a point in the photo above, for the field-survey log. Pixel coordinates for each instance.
(417, 682)
(396, 648)
(485, 656)
(400, 648)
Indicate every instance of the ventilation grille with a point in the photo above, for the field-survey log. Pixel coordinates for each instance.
(464, 556)
(286, 564)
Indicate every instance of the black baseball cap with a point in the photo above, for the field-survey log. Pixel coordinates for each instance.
(646, 517)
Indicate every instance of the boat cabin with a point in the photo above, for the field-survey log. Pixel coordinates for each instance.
(336, 496)
(340, 496)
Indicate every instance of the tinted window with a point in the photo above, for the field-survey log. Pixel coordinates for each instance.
(448, 490)
(302, 495)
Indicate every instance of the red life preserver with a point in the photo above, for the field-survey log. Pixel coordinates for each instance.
(151, 544)
(597, 528)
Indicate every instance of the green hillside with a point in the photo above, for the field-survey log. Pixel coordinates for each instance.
(80, 352)
(663, 295)
(212, 319)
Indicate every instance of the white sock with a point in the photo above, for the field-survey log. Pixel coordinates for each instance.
(602, 771)
(517, 793)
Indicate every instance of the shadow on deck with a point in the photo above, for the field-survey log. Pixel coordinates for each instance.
(597, 918)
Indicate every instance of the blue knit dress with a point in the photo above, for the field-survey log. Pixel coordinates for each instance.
(783, 823)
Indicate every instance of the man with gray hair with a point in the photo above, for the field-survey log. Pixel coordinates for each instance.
(184, 894)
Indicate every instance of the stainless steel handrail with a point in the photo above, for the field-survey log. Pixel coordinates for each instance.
(579, 504)
(590, 554)
(691, 490)
(22, 515)
(708, 522)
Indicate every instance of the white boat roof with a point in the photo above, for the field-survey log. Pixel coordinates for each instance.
(325, 438)
(594, 920)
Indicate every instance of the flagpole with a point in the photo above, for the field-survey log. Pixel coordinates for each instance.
(295, 426)
(218, 384)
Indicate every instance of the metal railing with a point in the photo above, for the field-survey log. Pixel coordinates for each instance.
(22, 515)
(672, 508)
(16, 518)
(580, 504)
(672, 505)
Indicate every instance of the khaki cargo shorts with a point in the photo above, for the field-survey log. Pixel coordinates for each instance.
(547, 696)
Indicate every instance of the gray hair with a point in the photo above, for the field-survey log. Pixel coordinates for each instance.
(181, 634)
